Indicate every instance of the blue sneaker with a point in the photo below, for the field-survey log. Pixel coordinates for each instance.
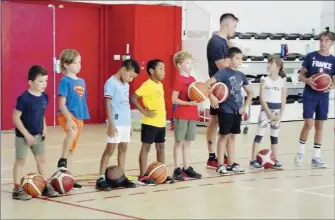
(254, 164)
(277, 165)
(299, 159)
(318, 163)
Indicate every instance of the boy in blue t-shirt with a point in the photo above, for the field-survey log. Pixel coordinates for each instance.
(116, 95)
(231, 110)
(30, 130)
(314, 101)
(72, 104)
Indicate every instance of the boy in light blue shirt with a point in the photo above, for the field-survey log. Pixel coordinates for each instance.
(116, 96)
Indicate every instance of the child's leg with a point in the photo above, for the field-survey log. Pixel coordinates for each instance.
(263, 121)
(180, 130)
(231, 149)
(101, 183)
(274, 134)
(176, 150)
(222, 143)
(143, 158)
(21, 149)
(121, 156)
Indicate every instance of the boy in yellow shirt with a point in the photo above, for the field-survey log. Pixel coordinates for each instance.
(153, 120)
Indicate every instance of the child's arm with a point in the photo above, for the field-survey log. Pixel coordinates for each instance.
(302, 75)
(44, 127)
(247, 102)
(283, 99)
(177, 101)
(111, 125)
(19, 125)
(210, 82)
(263, 102)
(69, 121)
(146, 112)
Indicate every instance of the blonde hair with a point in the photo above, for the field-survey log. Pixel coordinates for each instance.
(278, 61)
(67, 56)
(180, 57)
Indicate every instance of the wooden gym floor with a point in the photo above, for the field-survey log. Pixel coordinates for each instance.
(295, 192)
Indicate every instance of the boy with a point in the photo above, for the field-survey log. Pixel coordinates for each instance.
(30, 131)
(72, 105)
(231, 110)
(153, 120)
(116, 95)
(186, 116)
(313, 101)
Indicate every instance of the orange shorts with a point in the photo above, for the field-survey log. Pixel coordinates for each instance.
(80, 124)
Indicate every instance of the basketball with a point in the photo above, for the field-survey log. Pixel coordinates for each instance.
(322, 81)
(62, 181)
(33, 184)
(114, 176)
(157, 171)
(220, 91)
(266, 158)
(198, 91)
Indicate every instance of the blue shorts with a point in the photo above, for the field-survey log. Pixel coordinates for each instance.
(317, 105)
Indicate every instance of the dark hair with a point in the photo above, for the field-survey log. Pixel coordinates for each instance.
(152, 64)
(228, 16)
(233, 51)
(279, 63)
(35, 71)
(328, 33)
(131, 64)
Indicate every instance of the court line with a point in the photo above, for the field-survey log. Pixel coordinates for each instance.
(316, 194)
(316, 187)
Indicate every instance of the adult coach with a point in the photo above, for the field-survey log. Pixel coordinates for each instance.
(217, 49)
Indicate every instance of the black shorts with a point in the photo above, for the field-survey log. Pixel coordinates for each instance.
(213, 111)
(151, 134)
(229, 123)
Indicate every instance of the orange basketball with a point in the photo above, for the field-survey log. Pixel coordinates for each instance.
(322, 81)
(33, 184)
(157, 171)
(198, 91)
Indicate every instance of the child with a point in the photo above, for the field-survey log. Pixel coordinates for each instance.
(72, 105)
(186, 116)
(313, 101)
(31, 130)
(116, 94)
(273, 101)
(153, 120)
(231, 110)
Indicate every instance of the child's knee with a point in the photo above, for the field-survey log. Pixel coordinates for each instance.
(122, 148)
(308, 124)
(160, 147)
(318, 126)
(20, 161)
(145, 148)
(178, 143)
(40, 160)
(71, 134)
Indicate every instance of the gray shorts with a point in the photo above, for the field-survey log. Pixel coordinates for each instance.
(184, 130)
(21, 147)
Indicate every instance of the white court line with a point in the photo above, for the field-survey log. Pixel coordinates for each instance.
(316, 187)
(317, 194)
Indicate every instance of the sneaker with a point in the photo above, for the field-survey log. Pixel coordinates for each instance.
(169, 180)
(20, 194)
(128, 184)
(277, 165)
(77, 186)
(222, 170)
(62, 164)
(254, 164)
(189, 172)
(146, 181)
(235, 168)
(318, 163)
(178, 175)
(299, 158)
(49, 191)
(102, 185)
(212, 163)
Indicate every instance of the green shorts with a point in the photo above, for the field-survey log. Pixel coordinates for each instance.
(184, 130)
(21, 147)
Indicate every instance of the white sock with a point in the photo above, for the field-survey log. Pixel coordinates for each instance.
(302, 146)
(102, 176)
(317, 150)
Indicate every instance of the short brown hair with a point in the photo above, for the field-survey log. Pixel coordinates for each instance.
(279, 62)
(329, 34)
(181, 56)
(67, 56)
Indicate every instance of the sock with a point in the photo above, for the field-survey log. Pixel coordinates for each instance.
(46, 181)
(17, 186)
(317, 150)
(212, 156)
(302, 146)
(102, 176)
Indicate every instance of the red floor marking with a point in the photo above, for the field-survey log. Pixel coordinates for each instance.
(90, 208)
(293, 176)
(111, 197)
(269, 178)
(160, 190)
(86, 200)
(316, 175)
(183, 187)
(139, 193)
(207, 184)
(249, 180)
(227, 182)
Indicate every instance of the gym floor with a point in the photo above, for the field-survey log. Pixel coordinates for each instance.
(294, 192)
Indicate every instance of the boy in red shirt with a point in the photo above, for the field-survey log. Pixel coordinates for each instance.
(186, 116)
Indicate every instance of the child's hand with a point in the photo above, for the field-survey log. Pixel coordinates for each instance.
(149, 113)
(214, 101)
(31, 140)
(44, 132)
(193, 103)
(112, 131)
(310, 82)
(71, 125)
(242, 110)
(329, 88)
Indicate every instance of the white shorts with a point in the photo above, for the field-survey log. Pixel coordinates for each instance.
(122, 135)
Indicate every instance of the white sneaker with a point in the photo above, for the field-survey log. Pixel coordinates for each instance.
(318, 163)
(222, 170)
(299, 159)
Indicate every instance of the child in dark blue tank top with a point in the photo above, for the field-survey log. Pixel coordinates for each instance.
(315, 102)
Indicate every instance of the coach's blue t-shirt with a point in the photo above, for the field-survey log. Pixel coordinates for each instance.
(75, 92)
(119, 93)
(217, 49)
(33, 110)
(316, 63)
(234, 80)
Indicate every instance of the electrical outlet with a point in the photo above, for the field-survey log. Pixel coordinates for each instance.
(117, 57)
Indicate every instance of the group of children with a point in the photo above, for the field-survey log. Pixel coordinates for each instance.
(31, 127)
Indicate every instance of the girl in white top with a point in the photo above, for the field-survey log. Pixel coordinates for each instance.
(273, 99)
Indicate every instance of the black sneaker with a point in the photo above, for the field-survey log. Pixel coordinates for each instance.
(62, 164)
(189, 172)
(102, 185)
(235, 168)
(178, 175)
(169, 180)
(49, 191)
(77, 186)
(128, 184)
(146, 181)
(20, 194)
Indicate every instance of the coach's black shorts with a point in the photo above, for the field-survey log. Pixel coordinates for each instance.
(213, 111)
(151, 134)
(229, 123)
